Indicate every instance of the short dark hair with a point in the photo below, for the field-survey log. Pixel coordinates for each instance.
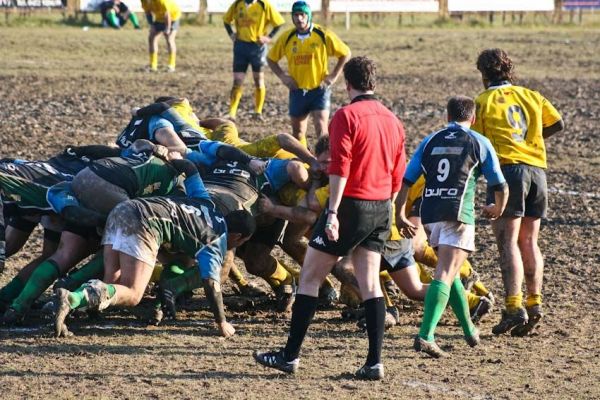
(495, 65)
(360, 72)
(322, 145)
(460, 108)
(242, 222)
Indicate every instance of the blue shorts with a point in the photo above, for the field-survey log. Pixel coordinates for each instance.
(161, 26)
(302, 102)
(397, 255)
(276, 173)
(248, 53)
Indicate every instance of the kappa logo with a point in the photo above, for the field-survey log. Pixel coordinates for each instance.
(319, 240)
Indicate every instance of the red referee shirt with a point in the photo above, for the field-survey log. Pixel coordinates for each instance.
(367, 147)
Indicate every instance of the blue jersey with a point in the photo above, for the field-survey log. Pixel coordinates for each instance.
(452, 160)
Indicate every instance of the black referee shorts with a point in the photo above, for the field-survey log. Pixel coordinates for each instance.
(364, 223)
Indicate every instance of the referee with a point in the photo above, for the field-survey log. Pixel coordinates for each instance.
(365, 173)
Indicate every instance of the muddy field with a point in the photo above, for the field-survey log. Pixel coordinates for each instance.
(67, 85)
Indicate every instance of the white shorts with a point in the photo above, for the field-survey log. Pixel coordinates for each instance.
(451, 233)
(125, 233)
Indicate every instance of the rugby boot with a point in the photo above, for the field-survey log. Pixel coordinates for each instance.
(535, 315)
(285, 296)
(431, 348)
(250, 290)
(370, 373)
(392, 289)
(328, 296)
(258, 117)
(510, 321)
(391, 319)
(13, 317)
(168, 302)
(473, 340)
(276, 360)
(62, 308)
(482, 308)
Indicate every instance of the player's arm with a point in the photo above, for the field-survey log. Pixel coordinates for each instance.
(168, 138)
(296, 214)
(152, 109)
(285, 78)
(554, 128)
(232, 35)
(336, 72)
(490, 167)
(291, 144)
(92, 152)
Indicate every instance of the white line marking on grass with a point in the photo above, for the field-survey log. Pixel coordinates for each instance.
(574, 193)
(437, 387)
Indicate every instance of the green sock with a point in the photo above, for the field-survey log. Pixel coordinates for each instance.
(460, 306)
(436, 300)
(94, 269)
(134, 20)
(185, 282)
(41, 279)
(111, 16)
(10, 292)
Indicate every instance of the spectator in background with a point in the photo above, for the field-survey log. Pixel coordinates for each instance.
(115, 14)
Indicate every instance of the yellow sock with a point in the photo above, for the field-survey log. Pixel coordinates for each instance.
(386, 296)
(172, 57)
(424, 274)
(385, 277)
(280, 277)
(465, 269)
(429, 257)
(154, 60)
(158, 269)
(259, 99)
(533, 300)
(513, 303)
(293, 271)
(480, 289)
(472, 299)
(237, 277)
(234, 100)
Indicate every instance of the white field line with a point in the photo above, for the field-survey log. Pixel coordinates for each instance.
(436, 387)
(574, 193)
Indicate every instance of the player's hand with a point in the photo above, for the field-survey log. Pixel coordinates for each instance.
(265, 205)
(289, 82)
(258, 166)
(264, 40)
(332, 227)
(160, 151)
(408, 229)
(226, 329)
(491, 211)
(326, 83)
(233, 37)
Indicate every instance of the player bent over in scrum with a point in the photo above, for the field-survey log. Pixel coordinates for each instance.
(134, 233)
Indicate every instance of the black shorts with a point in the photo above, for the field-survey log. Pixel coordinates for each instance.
(248, 53)
(397, 255)
(268, 235)
(364, 223)
(528, 191)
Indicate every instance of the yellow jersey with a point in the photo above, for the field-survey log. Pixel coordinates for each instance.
(251, 20)
(308, 58)
(159, 8)
(512, 118)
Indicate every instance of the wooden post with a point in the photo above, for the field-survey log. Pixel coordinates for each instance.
(325, 12)
(443, 12)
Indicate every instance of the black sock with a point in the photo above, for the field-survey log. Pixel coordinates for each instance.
(303, 312)
(375, 318)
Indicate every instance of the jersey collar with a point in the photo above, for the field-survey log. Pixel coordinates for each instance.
(501, 84)
(363, 97)
(456, 125)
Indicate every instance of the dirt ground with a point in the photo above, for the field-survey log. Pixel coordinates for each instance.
(65, 85)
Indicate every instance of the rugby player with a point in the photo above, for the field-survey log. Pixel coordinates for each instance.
(163, 17)
(115, 14)
(307, 48)
(451, 159)
(135, 231)
(517, 121)
(250, 41)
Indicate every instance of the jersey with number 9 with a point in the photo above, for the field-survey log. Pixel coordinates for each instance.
(512, 118)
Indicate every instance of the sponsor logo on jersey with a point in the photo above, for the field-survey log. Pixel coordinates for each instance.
(441, 192)
(446, 150)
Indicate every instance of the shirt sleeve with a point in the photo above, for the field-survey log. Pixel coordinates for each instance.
(157, 123)
(229, 15)
(276, 52)
(400, 163)
(274, 17)
(478, 125)
(550, 115)
(340, 143)
(414, 169)
(194, 187)
(490, 165)
(210, 258)
(335, 46)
